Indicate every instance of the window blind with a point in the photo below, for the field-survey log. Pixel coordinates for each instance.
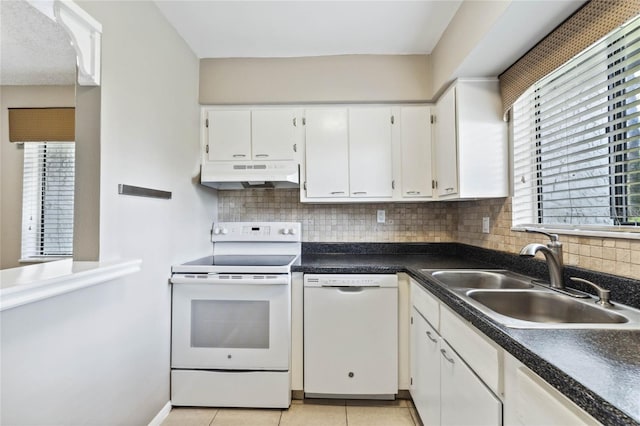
(577, 139)
(47, 199)
(41, 124)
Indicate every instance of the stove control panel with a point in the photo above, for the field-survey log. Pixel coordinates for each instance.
(256, 231)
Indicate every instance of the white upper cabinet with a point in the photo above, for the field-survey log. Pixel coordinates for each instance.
(273, 135)
(250, 134)
(471, 145)
(446, 145)
(229, 135)
(370, 162)
(415, 152)
(348, 154)
(327, 153)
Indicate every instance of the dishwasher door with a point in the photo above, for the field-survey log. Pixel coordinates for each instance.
(351, 336)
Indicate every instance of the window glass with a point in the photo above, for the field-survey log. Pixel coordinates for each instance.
(47, 199)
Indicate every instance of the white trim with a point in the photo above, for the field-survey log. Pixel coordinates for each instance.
(162, 414)
(85, 33)
(581, 232)
(28, 284)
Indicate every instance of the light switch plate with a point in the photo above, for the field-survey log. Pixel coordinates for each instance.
(381, 216)
(485, 225)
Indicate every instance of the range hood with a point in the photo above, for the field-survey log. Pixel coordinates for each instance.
(250, 174)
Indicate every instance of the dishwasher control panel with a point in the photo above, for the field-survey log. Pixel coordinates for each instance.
(350, 280)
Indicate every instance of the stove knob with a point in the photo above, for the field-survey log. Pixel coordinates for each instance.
(224, 231)
(216, 231)
(292, 231)
(285, 231)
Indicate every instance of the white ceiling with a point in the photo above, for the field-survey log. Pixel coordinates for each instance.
(225, 29)
(33, 49)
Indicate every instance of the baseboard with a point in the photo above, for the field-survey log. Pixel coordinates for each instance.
(162, 414)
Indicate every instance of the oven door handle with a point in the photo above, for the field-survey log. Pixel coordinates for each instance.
(231, 280)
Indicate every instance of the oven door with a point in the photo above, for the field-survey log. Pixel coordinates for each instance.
(244, 325)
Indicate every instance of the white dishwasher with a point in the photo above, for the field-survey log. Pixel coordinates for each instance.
(351, 336)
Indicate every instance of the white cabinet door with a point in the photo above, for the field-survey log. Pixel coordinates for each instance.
(229, 135)
(327, 153)
(465, 400)
(370, 161)
(482, 140)
(446, 145)
(415, 148)
(425, 369)
(273, 134)
(530, 401)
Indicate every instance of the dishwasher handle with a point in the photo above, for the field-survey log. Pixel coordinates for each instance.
(350, 288)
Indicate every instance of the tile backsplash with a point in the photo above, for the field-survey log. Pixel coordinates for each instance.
(610, 255)
(410, 222)
(422, 222)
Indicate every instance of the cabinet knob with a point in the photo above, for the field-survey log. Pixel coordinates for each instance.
(351, 374)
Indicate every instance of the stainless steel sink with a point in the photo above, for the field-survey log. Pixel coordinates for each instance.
(481, 279)
(517, 301)
(545, 307)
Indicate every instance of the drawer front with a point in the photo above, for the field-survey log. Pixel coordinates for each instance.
(426, 304)
(477, 351)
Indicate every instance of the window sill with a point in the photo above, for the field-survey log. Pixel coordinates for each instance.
(43, 259)
(582, 232)
(32, 283)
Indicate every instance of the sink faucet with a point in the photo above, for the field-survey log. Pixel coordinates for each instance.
(553, 255)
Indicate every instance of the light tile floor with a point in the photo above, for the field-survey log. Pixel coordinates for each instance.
(310, 412)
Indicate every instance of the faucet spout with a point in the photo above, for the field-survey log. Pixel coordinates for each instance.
(553, 255)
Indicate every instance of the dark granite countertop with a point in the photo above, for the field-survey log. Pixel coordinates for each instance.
(599, 370)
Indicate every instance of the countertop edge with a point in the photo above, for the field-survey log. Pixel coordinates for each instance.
(79, 275)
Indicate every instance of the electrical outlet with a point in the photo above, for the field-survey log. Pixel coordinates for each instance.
(485, 225)
(381, 216)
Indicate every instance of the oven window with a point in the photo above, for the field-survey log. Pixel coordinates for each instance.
(230, 324)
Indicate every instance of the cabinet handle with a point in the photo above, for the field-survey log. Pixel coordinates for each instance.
(431, 337)
(449, 189)
(434, 184)
(359, 192)
(294, 122)
(262, 155)
(444, 354)
(239, 155)
(295, 147)
(413, 192)
(305, 185)
(336, 192)
(393, 184)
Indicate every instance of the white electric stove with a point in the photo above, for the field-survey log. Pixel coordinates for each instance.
(231, 318)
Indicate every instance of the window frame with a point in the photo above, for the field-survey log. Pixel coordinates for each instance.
(619, 174)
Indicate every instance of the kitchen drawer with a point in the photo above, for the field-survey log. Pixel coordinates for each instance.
(426, 304)
(482, 355)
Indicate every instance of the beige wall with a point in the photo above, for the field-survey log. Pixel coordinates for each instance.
(11, 161)
(471, 23)
(347, 78)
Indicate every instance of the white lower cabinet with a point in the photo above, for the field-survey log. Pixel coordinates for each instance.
(530, 401)
(464, 398)
(425, 369)
(444, 388)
